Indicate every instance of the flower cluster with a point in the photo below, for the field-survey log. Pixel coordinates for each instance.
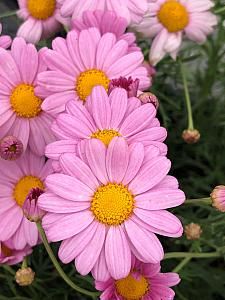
(81, 145)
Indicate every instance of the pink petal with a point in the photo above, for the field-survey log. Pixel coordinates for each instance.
(72, 247)
(55, 204)
(117, 251)
(10, 222)
(86, 260)
(96, 155)
(54, 150)
(118, 102)
(31, 30)
(158, 167)
(117, 159)
(136, 156)
(100, 271)
(68, 187)
(66, 225)
(74, 166)
(138, 120)
(145, 243)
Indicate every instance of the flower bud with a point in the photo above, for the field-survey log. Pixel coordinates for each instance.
(130, 85)
(218, 198)
(193, 231)
(149, 98)
(191, 136)
(30, 207)
(24, 277)
(11, 148)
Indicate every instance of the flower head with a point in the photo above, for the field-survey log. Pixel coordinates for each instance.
(110, 207)
(106, 21)
(11, 148)
(10, 256)
(193, 231)
(83, 61)
(42, 19)
(149, 98)
(218, 197)
(167, 20)
(191, 136)
(132, 10)
(25, 276)
(5, 40)
(143, 282)
(103, 117)
(30, 207)
(20, 105)
(16, 181)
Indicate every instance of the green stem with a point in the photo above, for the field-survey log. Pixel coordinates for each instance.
(191, 255)
(8, 14)
(206, 201)
(58, 267)
(24, 263)
(182, 264)
(219, 10)
(187, 96)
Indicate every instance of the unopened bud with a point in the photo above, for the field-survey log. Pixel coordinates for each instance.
(25, 277)
(218, 197)
(149, 98)
(31, 209)
(130, 85)
(191, 136)
(11, 148)
(193, 231)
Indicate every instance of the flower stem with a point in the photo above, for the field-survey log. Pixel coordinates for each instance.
(8, 14)
(187, 96)
(219, 10)
(94, 295)
(24, 263)
(206, 201)
(191, 255)
(182, 264)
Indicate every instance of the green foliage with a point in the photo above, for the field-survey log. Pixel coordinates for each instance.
(198, 167)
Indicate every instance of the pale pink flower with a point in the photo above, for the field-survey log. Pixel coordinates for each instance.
(106, 21)
(82, 61)
(10, 256)
(17, 178)
(167, 20)
(109, 203)
(20, 105)
(145, 282)
(5, 40)
(42, 19)
(132, 10)
(218, 197)
(105, 117)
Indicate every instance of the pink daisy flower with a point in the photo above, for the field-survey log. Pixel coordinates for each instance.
(11, 256)
(109, 204)
(167, 20)
(106, 21)
(5, 40)
(42, 19)
(144, 282)
(20, 105)
(17, 178)
(104, 117)
(132, 10)
(83, 61)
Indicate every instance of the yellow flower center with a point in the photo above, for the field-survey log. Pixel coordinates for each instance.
(105, 135)
(5, 250)
(24, 102)
(89, 79)
(131, 288)
(23, 187)
(41, 9)
(112, 204)
(173, 16)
